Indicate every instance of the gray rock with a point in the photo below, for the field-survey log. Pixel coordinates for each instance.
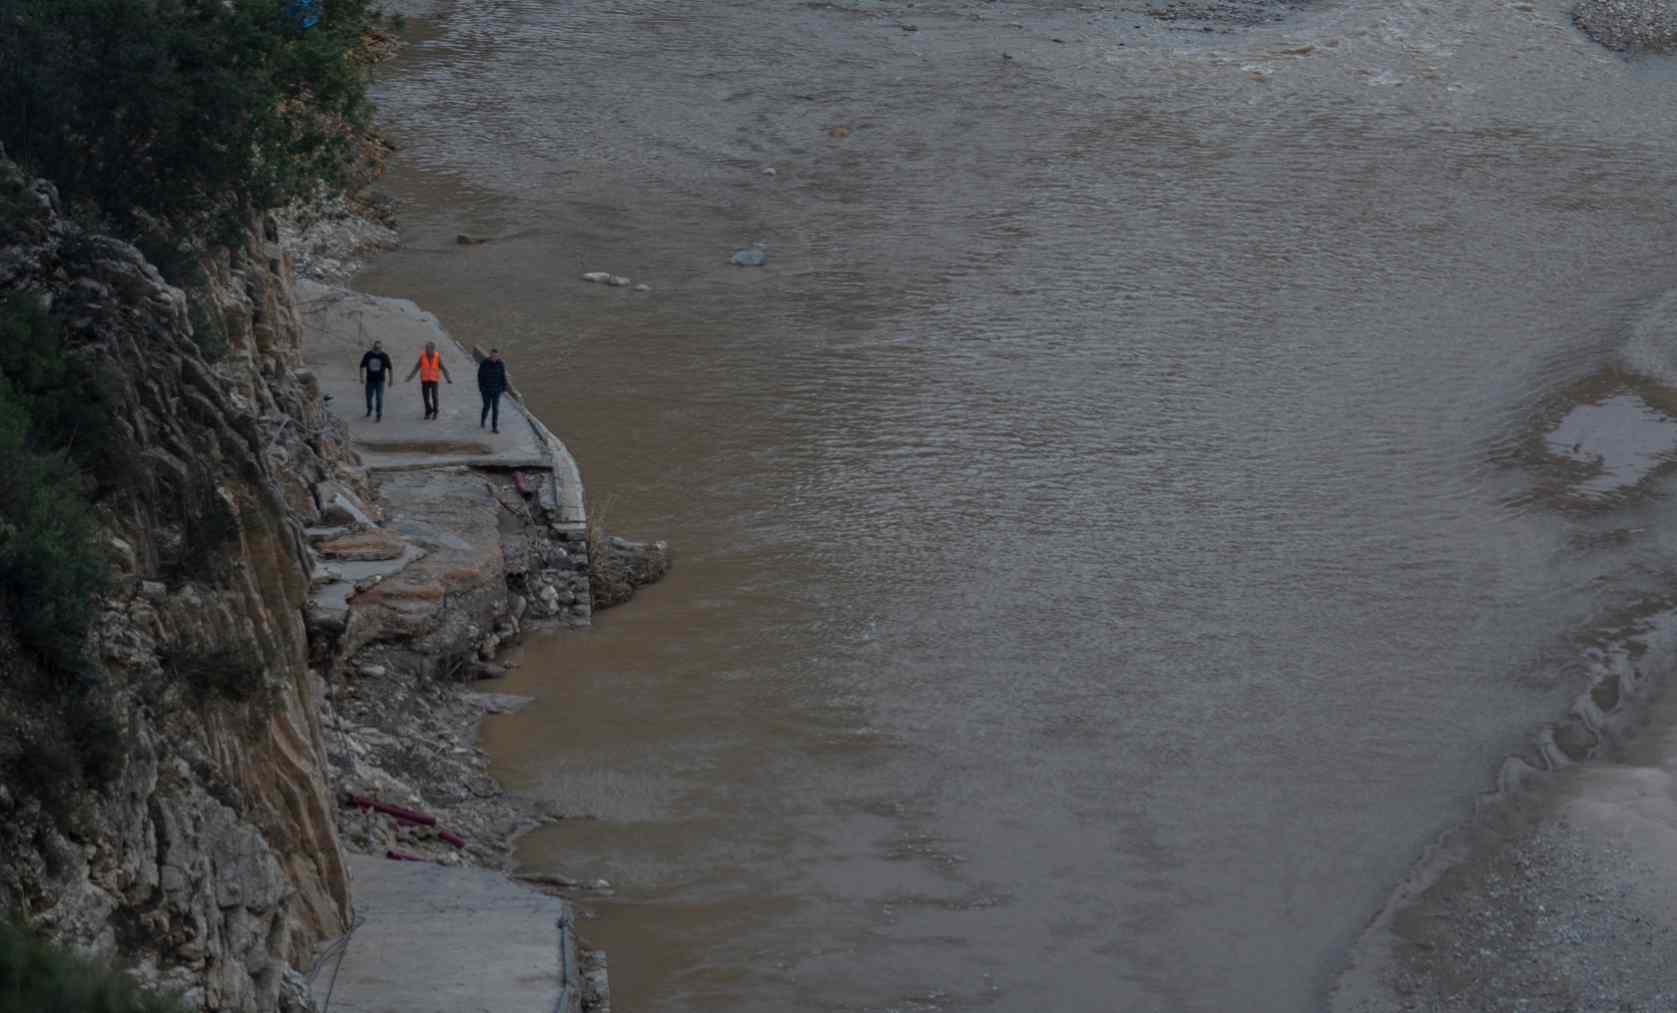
(341, 508)
(751, 256)
(152, 590)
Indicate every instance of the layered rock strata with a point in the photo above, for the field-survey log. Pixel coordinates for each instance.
(209, 860)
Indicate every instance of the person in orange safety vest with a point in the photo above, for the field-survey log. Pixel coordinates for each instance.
(430, 369)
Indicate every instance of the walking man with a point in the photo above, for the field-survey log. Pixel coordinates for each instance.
(491, 383)
(430, 369)
(375, 367)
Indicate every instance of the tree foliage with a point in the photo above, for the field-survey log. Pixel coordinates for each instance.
(182, 114)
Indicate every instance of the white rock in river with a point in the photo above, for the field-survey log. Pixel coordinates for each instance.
(597, 277)
(617, 281)
(643, 287)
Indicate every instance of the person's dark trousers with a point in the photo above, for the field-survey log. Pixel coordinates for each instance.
(491, 409)
(428, 391)
(375, 397)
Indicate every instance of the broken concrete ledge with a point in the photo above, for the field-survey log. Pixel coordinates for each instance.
(436, 939)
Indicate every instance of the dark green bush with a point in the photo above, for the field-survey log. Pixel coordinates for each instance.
(65, 400)
(37, 977)
(51, 571)
(166, 116)
(219, 673)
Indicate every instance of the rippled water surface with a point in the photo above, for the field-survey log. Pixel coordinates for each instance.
(1111, 543)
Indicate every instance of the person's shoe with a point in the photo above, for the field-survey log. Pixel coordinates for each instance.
(380, 417)
(495, 429)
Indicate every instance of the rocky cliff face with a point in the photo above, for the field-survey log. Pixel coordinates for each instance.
(208, 856)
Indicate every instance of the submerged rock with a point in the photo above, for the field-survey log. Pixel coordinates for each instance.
(752, 256)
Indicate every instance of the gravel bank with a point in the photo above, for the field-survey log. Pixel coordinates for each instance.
(1561, 894)
(1637, 26)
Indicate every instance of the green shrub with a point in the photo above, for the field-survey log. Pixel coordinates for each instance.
(66, 402)
(165, 116)
(209, 331)
(51, 571)
(35, 977)
(224, 673)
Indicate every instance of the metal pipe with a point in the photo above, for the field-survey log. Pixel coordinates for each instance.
(567, 984)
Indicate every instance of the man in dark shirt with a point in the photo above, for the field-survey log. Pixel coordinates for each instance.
(491, 383)
(375, 367)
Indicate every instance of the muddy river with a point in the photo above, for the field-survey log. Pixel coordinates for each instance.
(1170, 456)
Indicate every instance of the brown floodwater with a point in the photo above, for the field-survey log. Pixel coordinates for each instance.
(1119, 526)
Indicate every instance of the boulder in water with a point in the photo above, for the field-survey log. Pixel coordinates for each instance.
(751, 256)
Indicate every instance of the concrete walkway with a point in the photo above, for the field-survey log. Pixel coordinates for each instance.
(342, 325)
(431, 939)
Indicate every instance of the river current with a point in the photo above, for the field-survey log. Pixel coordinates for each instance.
(1116, 529)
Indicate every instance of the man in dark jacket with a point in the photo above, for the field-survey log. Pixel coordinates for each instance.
(375, 368)
(491, 383)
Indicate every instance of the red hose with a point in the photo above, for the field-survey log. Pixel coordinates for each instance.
(451, 838)
(403, 856)
(418, 819)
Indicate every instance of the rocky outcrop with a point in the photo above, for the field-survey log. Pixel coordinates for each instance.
(624, 566)
(208, 858)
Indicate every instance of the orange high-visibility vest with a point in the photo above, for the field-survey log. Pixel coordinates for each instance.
(430, 367)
